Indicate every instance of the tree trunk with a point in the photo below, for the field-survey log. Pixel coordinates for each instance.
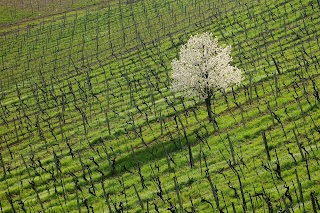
(208, 104)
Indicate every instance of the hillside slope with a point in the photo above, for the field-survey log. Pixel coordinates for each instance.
(88, 121)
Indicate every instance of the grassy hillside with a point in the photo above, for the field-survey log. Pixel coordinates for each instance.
(88, 121)
(13, 12)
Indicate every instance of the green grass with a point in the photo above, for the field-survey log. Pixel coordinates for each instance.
(69, 78)
(17, 12)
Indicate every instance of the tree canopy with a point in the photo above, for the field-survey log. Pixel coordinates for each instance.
(203, 67)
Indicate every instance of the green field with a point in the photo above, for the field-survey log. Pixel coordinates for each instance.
(88, 122)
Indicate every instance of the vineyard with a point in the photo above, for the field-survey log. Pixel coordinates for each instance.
(88, 122)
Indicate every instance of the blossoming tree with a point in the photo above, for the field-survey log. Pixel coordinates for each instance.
(203, 68)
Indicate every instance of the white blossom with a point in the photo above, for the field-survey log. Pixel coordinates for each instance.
(204, 67)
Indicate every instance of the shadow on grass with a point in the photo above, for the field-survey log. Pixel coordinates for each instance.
(162, 147)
